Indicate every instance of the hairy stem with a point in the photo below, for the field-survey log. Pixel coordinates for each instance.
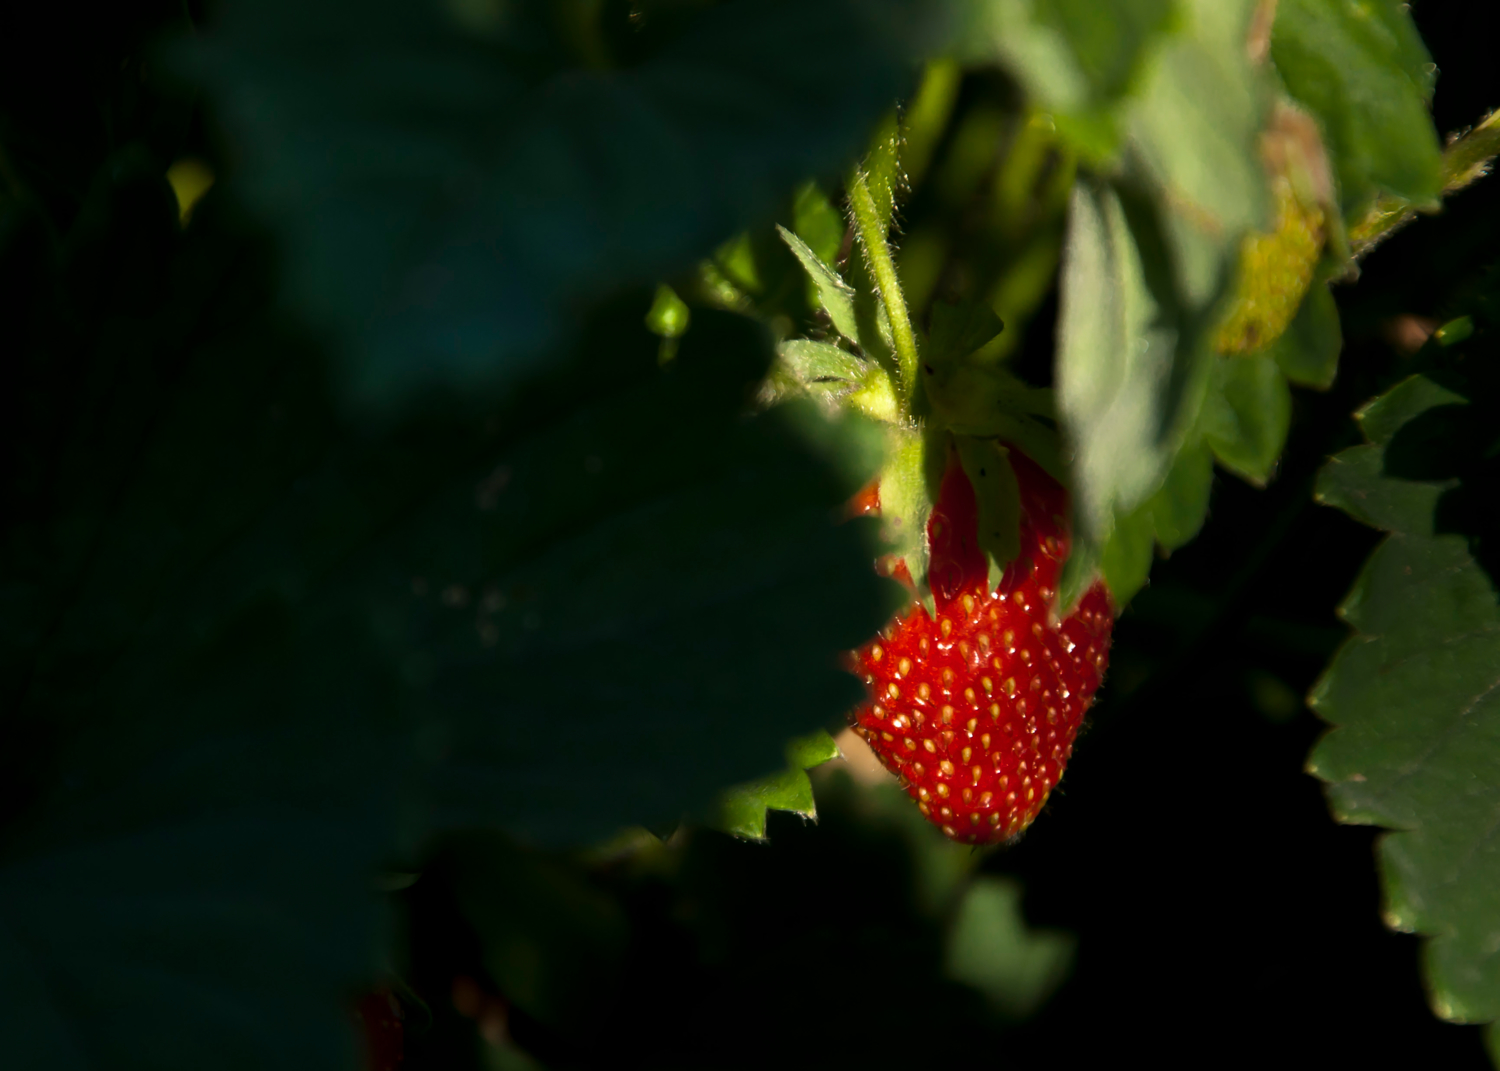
(871, 227)
(1466, 160)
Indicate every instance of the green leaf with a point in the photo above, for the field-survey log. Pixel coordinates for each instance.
(987, 464)
(1363, 72)
(1412, 698)
(1179, 509)
(741, 811)
(1247, 414)
(1126, 558)
(835, 295)
(990, 947)
(454, 182)
(1307, 352)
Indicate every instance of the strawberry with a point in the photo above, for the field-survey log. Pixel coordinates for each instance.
(379, 1015)
(976, 709)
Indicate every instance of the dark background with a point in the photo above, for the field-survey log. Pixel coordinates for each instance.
(1222, 916)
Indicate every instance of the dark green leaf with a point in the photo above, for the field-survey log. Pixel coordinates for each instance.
(1412, 697)
(452, 182)
(1246, 415)
(1362, 70)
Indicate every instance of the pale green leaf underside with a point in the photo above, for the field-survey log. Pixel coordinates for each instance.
(1415, 700)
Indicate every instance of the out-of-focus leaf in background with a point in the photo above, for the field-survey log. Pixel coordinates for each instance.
(452, 183)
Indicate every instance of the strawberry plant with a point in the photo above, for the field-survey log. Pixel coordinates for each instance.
(546, 535)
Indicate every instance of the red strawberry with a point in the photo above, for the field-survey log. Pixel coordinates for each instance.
(379, 1014)
(976, 710)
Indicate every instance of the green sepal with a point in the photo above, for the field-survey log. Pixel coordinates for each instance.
(821, 362)
(913, 470)
(836, 296)
(1079, 573)
(741, 810)
(957, 330)
(823, 369)
(987, 464)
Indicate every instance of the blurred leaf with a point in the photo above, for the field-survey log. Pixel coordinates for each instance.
(1412, 694)
(1126, 557)
(233, 631)
(741, 811)
(451, 188)
(1180, 507)
(1246, 415)
(668, 315)
(1074, 58)
(1308, 350)
(553, 944)
(991, 948)
(1196, 129)
(1117, 352)
(197, 789)
(1362, 70)
(817, 222)
(1147, 263)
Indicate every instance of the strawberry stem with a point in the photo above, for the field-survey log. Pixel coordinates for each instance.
(871, 230)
